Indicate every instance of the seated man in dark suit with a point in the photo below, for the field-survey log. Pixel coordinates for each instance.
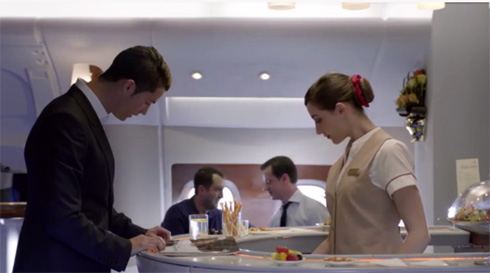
(208, 185)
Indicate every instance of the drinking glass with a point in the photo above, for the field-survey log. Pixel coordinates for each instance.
(243, 228)
(198, 226)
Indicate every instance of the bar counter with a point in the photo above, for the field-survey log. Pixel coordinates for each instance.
(255, 250)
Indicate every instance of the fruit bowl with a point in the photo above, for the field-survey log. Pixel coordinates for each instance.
(285, 256)
(287, 263)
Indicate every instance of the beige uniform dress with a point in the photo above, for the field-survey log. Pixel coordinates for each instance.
(364, 217)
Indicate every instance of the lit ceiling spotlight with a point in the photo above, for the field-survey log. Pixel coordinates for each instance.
(264, 76)
(196, 75)
(281, 5)
(431, 5)
(355, 5)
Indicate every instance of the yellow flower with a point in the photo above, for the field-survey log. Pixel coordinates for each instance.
(411, 83)
(422, 79)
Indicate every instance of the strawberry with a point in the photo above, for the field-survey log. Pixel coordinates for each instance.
(291, 257)
(282, 249)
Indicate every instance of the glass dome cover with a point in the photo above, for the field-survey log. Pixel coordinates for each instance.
(471, 209)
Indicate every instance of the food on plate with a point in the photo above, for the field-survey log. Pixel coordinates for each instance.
(260, 229)
(202, 242)
(472, 214)
(284, 254)
(339, 259)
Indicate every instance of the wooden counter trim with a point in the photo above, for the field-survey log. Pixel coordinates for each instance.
(12, 209)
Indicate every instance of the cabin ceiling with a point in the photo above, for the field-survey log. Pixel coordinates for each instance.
(37, 56)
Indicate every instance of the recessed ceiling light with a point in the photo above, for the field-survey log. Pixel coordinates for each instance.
(431, 5)
(196, 75)
(264, 76)
(355, 5)
(281, 5)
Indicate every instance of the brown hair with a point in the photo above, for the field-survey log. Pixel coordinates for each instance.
(204, 177)
(333, 87)
(142, 64)
(282, 165)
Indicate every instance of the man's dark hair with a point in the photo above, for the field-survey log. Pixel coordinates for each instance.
(204, 177)
(142, 64)
(282, 165)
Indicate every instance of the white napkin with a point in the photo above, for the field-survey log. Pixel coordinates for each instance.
(429, 263)
(390, 263)
(183, 246)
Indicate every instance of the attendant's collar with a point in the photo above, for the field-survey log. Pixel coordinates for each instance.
(354, 146)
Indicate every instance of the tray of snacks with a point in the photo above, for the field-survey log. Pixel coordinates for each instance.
(212, 246)
(263, 231)
(340, 261)
(471, 209)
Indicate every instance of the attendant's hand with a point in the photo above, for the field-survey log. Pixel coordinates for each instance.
(159, 231)
(146, 242)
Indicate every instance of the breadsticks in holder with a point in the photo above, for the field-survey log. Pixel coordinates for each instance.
(231, 218)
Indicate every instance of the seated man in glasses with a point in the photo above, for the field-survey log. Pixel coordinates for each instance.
(297, 209)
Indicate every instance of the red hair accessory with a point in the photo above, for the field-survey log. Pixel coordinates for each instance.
(356, 81)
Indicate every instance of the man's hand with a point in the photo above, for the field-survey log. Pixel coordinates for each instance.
(159, 231)
(145, 242)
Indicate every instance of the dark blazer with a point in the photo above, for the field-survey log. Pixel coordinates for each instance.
(70, 224)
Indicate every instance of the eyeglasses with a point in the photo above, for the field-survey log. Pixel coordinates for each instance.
(268, 181)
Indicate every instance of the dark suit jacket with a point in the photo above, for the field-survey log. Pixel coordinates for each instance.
(70, 224)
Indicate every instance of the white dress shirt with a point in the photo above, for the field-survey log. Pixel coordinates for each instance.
(93, 99)
(303, 211)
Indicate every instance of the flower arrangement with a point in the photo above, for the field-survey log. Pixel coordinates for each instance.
(411, 103)
(413, 91)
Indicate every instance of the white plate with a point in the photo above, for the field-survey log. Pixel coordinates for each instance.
(287, 263)
(341, 264)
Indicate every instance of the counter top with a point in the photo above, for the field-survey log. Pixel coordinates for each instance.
(255, 262)
(255, 249)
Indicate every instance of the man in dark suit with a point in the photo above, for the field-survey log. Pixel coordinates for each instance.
(70, 223)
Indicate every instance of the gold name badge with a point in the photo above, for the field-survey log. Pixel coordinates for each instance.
(353, 172)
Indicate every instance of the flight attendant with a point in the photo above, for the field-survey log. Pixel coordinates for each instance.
(372, 186)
